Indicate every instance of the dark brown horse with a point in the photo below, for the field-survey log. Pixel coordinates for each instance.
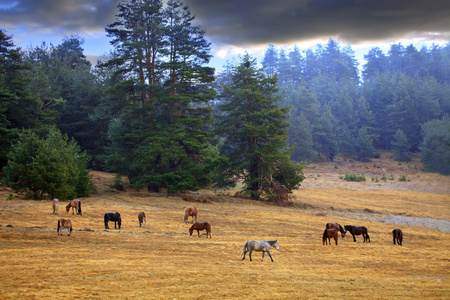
(337, 227)
(114, 217)
(398, 235)
(55, 204)
(142, 219)
(201, 226)
(358, 230)
(190, 211)
(328, 234)
(64, 223)
(76, 205)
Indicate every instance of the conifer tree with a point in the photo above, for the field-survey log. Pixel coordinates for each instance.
(254, 132)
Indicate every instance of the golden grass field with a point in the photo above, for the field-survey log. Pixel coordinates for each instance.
(163, 262)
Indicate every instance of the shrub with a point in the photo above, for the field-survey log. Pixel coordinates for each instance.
(53, 167)
(354, 177)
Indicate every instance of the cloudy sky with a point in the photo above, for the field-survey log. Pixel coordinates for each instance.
(235, 26)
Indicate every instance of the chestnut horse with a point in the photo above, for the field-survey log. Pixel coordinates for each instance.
(142, 219)
(76, 205)
(64, 223)
(190, 211)
(55, 204)
(398, 235)
(338, 227)
(328, 234)
(260, 246)
(358, 230)
(115, 217)
(201, 226)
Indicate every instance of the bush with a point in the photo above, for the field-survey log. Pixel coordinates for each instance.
(355, 177)
(47, 168)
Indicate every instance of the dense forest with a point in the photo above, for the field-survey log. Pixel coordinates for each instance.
(155, 111)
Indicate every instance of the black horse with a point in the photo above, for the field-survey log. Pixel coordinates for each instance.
(358, 230)
(109, 216)
(397, 235)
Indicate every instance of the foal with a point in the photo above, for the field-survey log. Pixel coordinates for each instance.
(190, 211)
(142, 219)
(398, 235)
(328, 234)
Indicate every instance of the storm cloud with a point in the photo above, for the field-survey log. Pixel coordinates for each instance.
(245, 23)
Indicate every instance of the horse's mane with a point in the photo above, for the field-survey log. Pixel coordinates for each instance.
(271, 242)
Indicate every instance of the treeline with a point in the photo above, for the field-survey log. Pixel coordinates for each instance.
(154, 110)
(400, 103)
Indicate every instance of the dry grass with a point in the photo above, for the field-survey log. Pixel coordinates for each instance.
(163, 262)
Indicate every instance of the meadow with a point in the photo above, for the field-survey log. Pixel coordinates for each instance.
(161, 261)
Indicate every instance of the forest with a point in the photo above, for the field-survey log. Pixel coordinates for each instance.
(155, 111)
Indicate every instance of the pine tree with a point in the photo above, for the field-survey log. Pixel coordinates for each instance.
(253, 129)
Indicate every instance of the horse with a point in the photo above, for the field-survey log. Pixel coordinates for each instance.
(142, 219)
(358, 230)
(328, 234)
(109, 216)
(64, 223)
(201, 226)
(260, 246)
(190, 211)
(75, 204)
(55, 204)
(337, 226)
(398, 235)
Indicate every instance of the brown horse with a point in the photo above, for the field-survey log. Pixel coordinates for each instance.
(142, 219)
(55, 204)
(398, 235)
(190, 211)
(201, 226)
(64, 223)
(358, 230)
(337, 227)
(76, 205)
(328, 234)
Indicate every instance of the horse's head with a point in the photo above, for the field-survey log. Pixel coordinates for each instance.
(68, 207)
(275, 245)
(343, 234)
(191, 230)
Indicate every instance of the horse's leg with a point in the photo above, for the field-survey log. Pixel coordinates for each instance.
(354, 239)
(198, 231)
(368, 237)
(262, 258)
(250, 255)
(394, 239)
(335, 238)
(268, 252)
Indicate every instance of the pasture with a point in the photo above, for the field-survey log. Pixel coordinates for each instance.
(161, 261)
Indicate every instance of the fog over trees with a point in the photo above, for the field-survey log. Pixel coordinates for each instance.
(155, 111)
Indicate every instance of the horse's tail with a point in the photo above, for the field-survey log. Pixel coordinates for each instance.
(185, 214)
(245, 248)
(79, 207)
(324, 234)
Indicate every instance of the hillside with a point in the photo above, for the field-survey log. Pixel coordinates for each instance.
(161, 261)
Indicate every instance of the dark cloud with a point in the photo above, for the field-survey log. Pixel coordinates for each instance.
(244, 23)
(254, 22)
(58, 15)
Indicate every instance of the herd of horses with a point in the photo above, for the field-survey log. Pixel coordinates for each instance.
(331, 229)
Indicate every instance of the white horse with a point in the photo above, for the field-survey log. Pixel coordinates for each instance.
(260, 246)
(55, 206)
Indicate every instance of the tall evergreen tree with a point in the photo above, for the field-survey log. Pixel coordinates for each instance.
(253, 127)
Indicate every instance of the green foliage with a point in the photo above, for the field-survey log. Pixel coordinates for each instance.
(254, 136)
(435, 146)
(53, 167)
(354, 177)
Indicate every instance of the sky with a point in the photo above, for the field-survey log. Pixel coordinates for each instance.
(238, 26)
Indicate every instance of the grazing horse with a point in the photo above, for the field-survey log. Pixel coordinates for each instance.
(328, 234)
(64, 223)
(358, 230)
(201, 226)
(260, 246)
(76, 205)
(55, 204)
(190, 211)
(109, 216)
(142, 219)
(338, 227)
(398, 235)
